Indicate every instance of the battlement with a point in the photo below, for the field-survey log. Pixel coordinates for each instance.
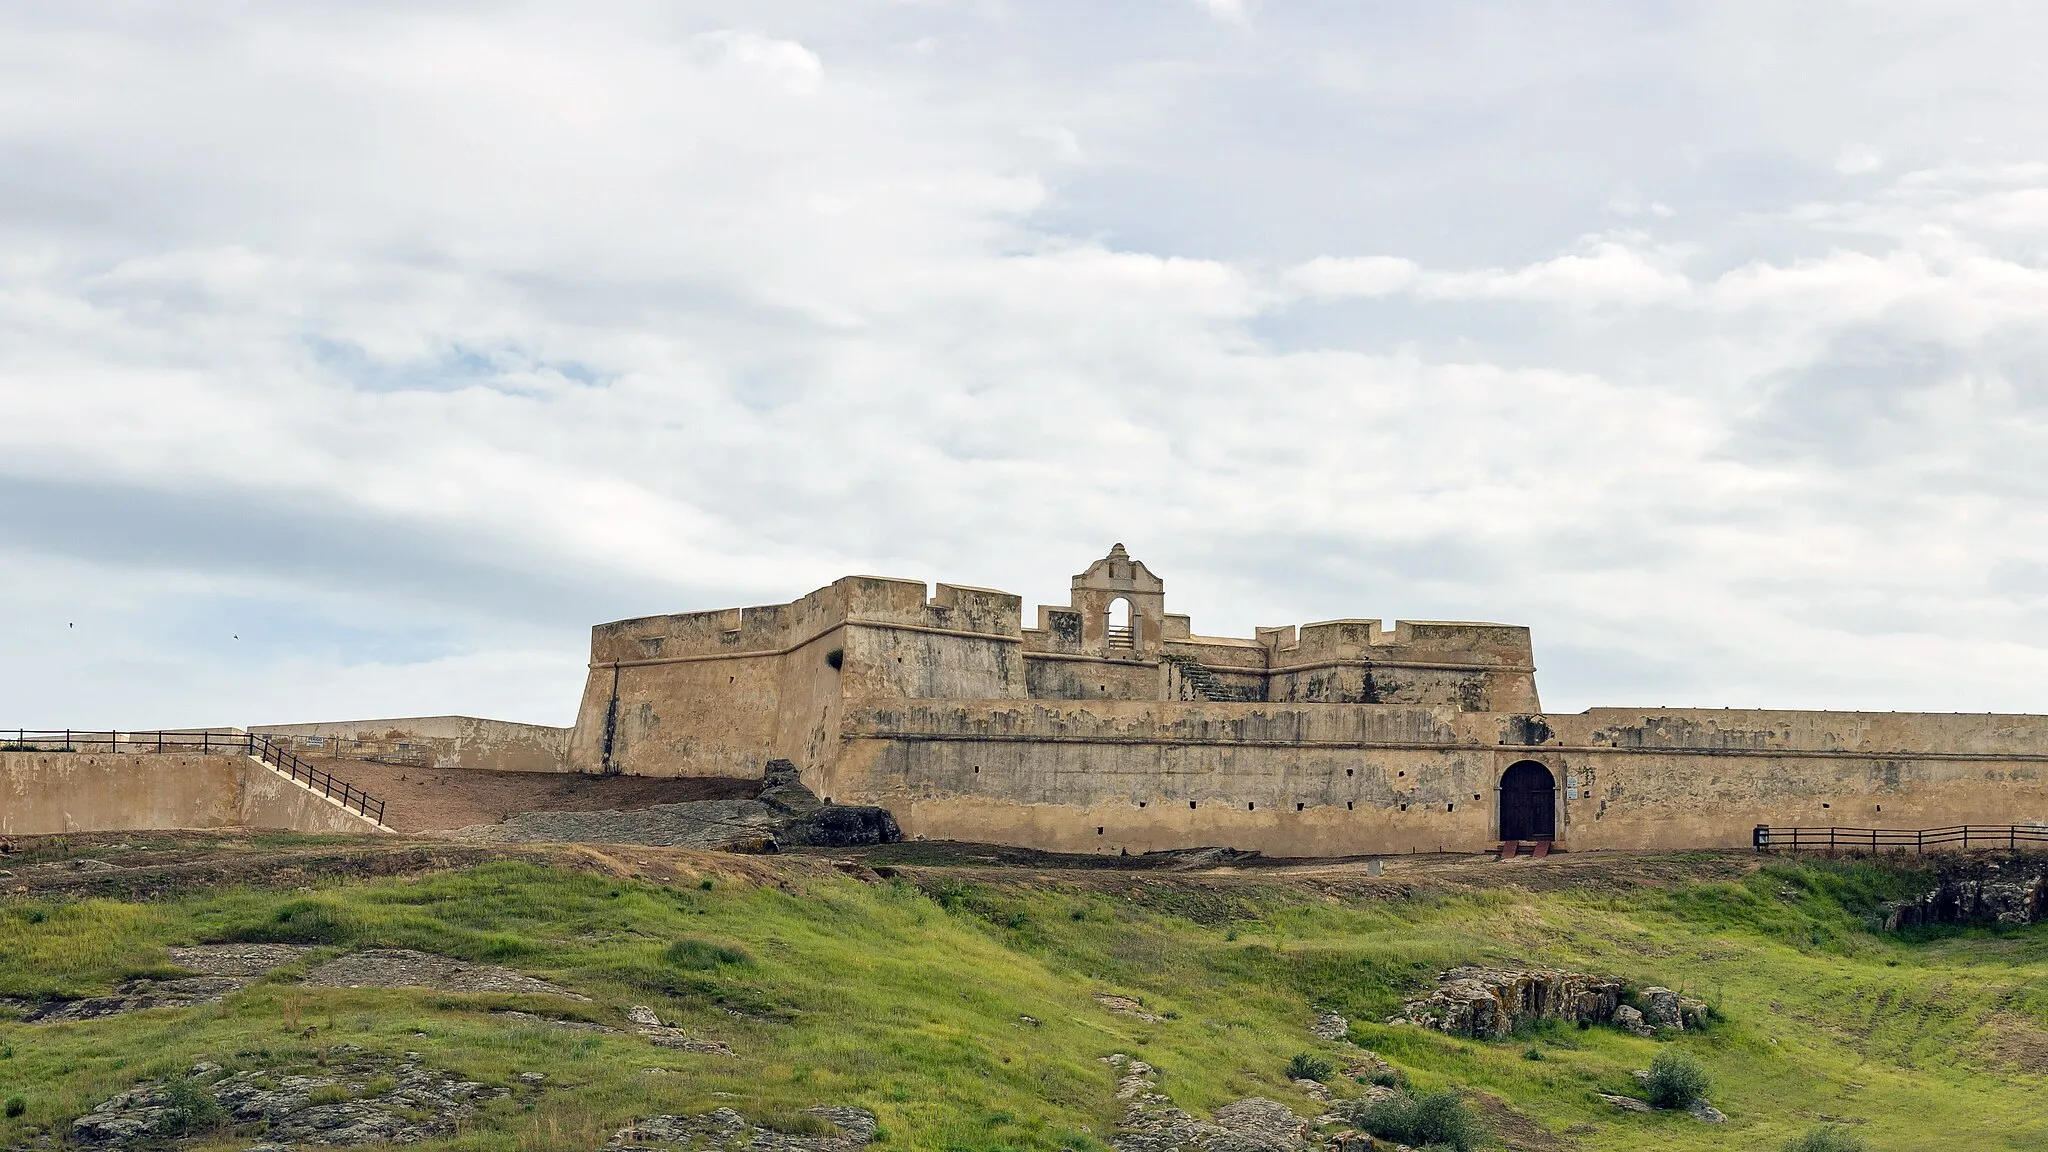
(772, 629)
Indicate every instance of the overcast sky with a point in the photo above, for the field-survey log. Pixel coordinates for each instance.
(356, 358)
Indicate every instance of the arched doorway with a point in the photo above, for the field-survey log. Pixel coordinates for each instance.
(1528, 802)
(1120, 628)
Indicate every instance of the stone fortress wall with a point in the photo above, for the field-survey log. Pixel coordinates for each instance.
(1111, 726)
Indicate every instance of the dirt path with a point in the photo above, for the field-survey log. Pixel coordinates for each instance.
(442, 799)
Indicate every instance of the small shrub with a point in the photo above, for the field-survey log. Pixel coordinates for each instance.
(37, 916)
(690, 952)
(1309, 1066)
(1825, 1138)
(1676, 1080)
(706, 884)
(16, 1106)
(1532, 1053)
(1432, 1119)
(188, 1110)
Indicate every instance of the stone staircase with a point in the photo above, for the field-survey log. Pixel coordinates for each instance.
(1204, 682)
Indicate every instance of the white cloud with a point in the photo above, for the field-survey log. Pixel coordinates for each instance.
(416, 342)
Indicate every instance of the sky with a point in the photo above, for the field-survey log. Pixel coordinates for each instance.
(356, 358)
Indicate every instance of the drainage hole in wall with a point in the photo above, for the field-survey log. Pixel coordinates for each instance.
(1450, 807)
(1299, 806)
(1098, 831)
(1400, 773)
(1253, 804)
(1475, 795)
(1404, 807)
(1347, 771)
(1347, 805)
(1825, 805)
(1191, 803)
(1141, 803)
(1880, 807)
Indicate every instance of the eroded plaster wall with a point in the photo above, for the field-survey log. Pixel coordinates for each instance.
(45, 793)
(1320, 780)
(432, 741)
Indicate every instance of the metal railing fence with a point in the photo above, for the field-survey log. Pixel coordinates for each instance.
(1767, 837)
(271, 751)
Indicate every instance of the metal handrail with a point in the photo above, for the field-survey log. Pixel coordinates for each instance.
(1767, 838)
(275, 753)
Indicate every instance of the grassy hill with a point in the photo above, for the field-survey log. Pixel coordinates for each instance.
(957, 999)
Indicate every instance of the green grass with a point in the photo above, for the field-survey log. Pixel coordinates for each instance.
(834, 991)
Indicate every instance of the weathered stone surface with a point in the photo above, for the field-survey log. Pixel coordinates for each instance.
(404, 968)
(1626, 1103)
(129, 996)
(1629, 1020)
(420, 1103)
(236, 959)
(1660, 1009)
(649, 1025)
(2012, 890)
(1125, 1006)
(1488, 1002)
(1152, 1124)
(1329, 1026)
(723, 1128)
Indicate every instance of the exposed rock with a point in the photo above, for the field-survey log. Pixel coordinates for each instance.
(2008, 890)
(1329, 1026)
(129, 996)
(1152, 1124)
(1125, 1006)
(404, 968)
(1489, 1003)
(1313, 1089)
(783, 814)
(222, 968)
(1626, 1103)
(1629, 1020)
(236, 959)
(1705, 1112)
(725, 1129)
(1661, 1009)
(529, 1018)
(647, 1024)
(419, 1104)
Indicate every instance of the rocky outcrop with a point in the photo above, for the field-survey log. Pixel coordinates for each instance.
(404, 968)
(355, 1098)
(783, 814)
(1152, 1124)
(2005, 890)
(649, 1025)
(1489, 1003)
(221, 968)
(723, 1128)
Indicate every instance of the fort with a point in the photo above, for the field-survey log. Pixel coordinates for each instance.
(1111, 726)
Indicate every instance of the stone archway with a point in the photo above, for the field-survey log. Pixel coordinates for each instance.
(1528, 802)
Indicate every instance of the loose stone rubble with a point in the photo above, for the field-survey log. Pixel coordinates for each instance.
(404, 968)
(725, 1129)
(384, 1101)
(1489, 1003)
(1152, 1124)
